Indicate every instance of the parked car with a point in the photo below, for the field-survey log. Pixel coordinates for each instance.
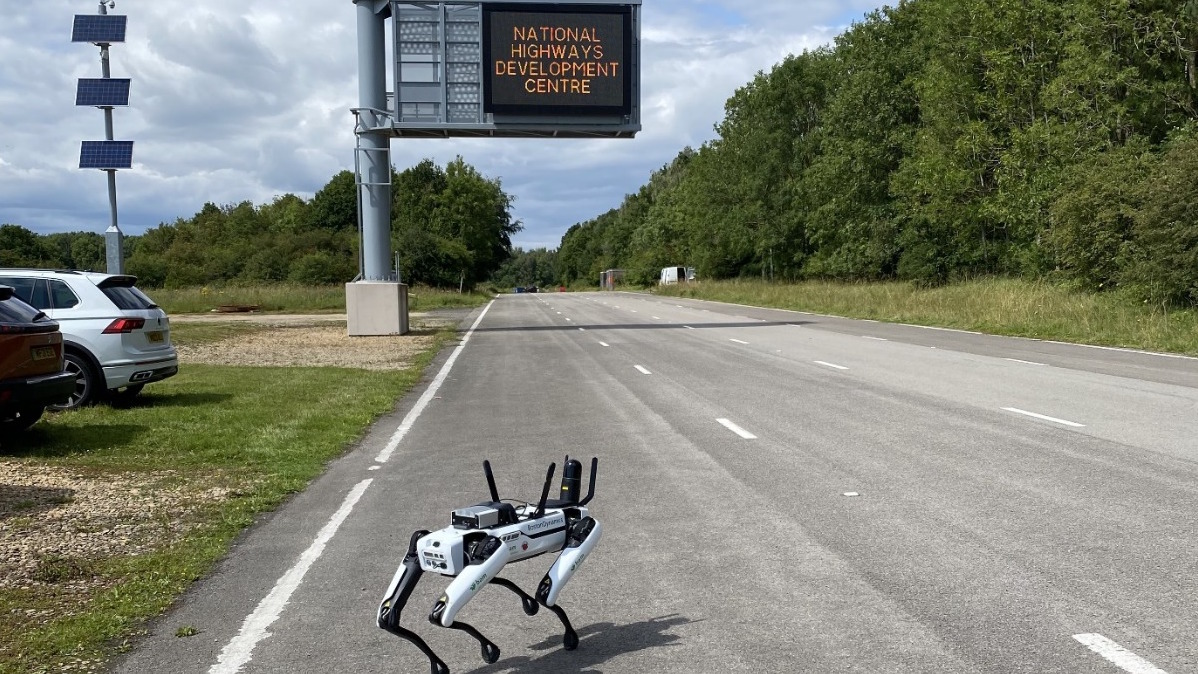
(115, 338)
(31, 364)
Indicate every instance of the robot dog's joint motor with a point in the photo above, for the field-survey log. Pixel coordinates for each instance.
(481, 540)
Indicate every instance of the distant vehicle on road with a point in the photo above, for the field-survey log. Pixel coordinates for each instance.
(672, 275)
(31, 364)
(115, 338)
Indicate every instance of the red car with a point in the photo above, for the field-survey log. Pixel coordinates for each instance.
(31, 365)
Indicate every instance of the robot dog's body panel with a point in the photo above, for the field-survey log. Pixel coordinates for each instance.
(481, 540)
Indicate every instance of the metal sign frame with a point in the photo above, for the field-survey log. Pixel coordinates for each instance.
(441, 58)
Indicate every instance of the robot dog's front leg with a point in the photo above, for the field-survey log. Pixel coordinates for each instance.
(486, 559)
(398, 592)
(581, 538)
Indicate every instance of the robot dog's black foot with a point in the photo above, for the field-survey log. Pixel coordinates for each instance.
(530, 604)
(489, 652)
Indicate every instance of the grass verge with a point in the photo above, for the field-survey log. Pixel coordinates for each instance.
(995, 306)
(213, 441)
(298, 298)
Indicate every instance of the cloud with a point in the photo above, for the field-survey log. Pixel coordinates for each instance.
(234, 101)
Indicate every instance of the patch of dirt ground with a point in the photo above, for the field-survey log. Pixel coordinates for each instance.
(309, 341)
(55, 521)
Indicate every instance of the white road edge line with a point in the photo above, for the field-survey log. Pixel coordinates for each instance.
(604, 344)
(1055, 420)
(1118, 655)
(738, 341)
(385, 455)
(237, 653)
(1025, 362)
(876, 339)
(831, 365)
(736, 429)
(642, 370)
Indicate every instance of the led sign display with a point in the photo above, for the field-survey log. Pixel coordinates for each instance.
(557, 59)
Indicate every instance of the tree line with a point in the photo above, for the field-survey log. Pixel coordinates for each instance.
(451, 226)
(938, 140)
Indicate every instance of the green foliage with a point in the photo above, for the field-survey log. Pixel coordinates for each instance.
(452, 227)
(935, 141)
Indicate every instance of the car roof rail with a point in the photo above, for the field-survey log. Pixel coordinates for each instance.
(56, 271)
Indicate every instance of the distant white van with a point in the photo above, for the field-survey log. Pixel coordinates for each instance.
(672, 275)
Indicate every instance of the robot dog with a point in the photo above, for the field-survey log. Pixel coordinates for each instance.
(484, 538)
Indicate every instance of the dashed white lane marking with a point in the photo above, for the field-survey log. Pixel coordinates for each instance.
(559, 313)
(582, 329)
(375, 467)
(569, 319)
(424, 400)
(679, 306)
(739, 341)
(642, 370)
(831, 365)
(1118, 655)
(876, 339)
(656, 318)
(689, 327)
(604, 344)
(237, 653)
(1055, 420)
(736, 429)
(1025, 362)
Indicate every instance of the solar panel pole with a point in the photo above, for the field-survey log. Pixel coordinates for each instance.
(114, 239)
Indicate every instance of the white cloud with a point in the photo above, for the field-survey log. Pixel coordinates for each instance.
(235, 101)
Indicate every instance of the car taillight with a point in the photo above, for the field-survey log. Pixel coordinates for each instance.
(124, 326)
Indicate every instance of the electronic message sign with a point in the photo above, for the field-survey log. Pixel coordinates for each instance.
(515, 68)
(557, 59)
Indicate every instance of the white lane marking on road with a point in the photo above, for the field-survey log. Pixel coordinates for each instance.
(689, 327)
(1118, 655)
(736, 429)
(1055, 420)
(657, 318)
(559, 313)
(642, 370)
(569, 319)
(582, 329)
(739, 341)
(604, 344)
(237, 653)
(679, 306)
(932, 327)
(1116, 348)
(385, 455)
(633, 310)
(831, 365)
(375, 467)
(1025, 362)
(876, 339)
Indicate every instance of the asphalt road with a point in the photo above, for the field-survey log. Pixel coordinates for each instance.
(780, 492)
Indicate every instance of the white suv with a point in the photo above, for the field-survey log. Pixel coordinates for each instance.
(116, 340)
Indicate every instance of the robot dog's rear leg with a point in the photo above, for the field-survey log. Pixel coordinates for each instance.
(581, 538)
(400, 590)
(531, 606)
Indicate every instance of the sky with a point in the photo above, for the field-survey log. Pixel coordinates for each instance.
(246, 100)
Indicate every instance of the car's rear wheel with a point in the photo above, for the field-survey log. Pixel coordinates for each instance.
(87, 382)
(19, 420)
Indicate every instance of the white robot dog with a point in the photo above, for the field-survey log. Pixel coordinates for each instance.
(481, 540)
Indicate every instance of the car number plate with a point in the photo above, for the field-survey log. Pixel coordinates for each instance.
(44, 353)
(155, 336)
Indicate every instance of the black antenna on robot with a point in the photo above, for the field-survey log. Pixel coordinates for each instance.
(545, 492)
(491, 481)
(591, 488)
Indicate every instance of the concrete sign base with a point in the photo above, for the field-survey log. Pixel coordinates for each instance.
(376, 308)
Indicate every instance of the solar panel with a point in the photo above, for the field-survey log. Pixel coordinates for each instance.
(103, 92)
(99, 28)
(106, 154)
